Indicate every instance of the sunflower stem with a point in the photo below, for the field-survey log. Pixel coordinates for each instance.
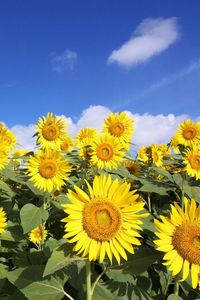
(88, 280)
(97, 280)
(149, 202)
(176, 288)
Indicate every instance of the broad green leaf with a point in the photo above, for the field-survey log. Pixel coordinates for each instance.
(32, 216)
(60, 258)
(101, 292)
(154, 188)
(164, 173)
(13, 233)
(140, 261)
(5, 188)
(174, 297)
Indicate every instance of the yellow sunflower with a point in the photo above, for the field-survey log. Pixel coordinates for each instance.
(157, 156)
(67, 144)
(192, 161)
(188, 133)
(132, 166)
(3, 156)
(48, 170)
(164, 148)
(119, 126)
(3, 222)
(85, 153)
(179, 238)
(174, 144)
(51, 132)
(7, 137)
(106, 152)
(105, 220)
(142, 154)
(86, 136)
(38, 235)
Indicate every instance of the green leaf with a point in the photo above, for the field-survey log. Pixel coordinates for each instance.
(140, 261)
(60, 258)
(154, 188)
(5, 188)
(30, 282)
(102, 293)
(32, 216)
(164, 173)
(174, 297)
(13, 233)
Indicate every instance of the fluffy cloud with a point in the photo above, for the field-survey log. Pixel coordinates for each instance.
(64, 61)
(150, 38)
(149, 128)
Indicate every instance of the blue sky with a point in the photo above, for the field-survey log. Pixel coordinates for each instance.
(55, 57)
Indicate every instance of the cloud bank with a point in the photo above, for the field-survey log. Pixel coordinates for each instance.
(149, 129)
(64, 61)
(150, 38)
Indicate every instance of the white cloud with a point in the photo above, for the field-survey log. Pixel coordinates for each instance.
(149, 128)
(24, 136)
(150, 38)
(64, 61)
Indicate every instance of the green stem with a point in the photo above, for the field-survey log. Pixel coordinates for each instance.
(68, 296)
(88, 280)
(96, 281)
(176, 288)
(149, 202)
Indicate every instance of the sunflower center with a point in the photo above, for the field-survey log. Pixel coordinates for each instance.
(189, 133)
(195, 162)
(101, 220)
(50, 132)
(116, 129)
(48, 169)
(105, 152)
(186, 241)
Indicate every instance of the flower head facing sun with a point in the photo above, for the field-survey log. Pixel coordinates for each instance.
(179, 238)
(119, 126)
(104, 221)
(106, 152)
(38, 235)
(3, 156)
(86, 136)
(192, 162)
(157, 156)
(188, 133)
(68, 144)
(48, 170)
(3, 219)
(51, 132)
(142, 154)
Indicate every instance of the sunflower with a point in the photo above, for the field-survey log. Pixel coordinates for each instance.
(48, 170)
(174, 144)
(157, 156)
(85, 153)
(179, 238)
(3, 156)
(104, 221)
(3, 222)
(67, 144)
(164, 148)
(106, 152)
(7, 137)
(86, 136)
(188, 133)
(38, 235)
(142, 154)
(132, 166)
(192, 162)
(119, 126)
(51, 131)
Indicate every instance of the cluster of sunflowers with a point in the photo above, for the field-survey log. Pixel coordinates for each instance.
(87, 202)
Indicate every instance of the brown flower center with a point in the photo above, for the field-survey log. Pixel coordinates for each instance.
(186, 241)
(50, 132)
(101, 220)
(105, 152)
(48, 169)
(116, 129)
(195, 162)
(189, 133)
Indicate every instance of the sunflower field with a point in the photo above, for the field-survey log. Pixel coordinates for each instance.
(95, 218)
